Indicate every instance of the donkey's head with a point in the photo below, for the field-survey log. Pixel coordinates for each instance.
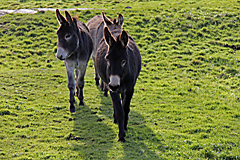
(68, 32)
(116, 57)
(113, 24)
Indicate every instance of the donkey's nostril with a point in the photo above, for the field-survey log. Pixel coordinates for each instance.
(60, 57)
(113, 88)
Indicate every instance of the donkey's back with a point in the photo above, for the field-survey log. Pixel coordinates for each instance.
(96, 27)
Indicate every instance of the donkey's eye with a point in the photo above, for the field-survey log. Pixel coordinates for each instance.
(123, 63)
(68, 36)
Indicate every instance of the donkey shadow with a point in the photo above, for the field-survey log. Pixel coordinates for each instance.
(94, 138)
(137, 136)
(90, 134)
(141, 141)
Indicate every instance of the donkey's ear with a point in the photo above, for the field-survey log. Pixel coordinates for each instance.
(120, 20)
(74, 24)
(108, 36)
(69, 17)
(123, 38)
(60, 18)
(106, 20)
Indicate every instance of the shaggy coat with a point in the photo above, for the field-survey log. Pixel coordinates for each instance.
(118, 63)
(74, 47)
(96, 26)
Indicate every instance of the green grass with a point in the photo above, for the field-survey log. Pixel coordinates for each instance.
(186, 100)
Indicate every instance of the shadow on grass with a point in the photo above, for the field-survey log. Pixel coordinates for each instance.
(141, 141)
(90, 137)
(95, 139)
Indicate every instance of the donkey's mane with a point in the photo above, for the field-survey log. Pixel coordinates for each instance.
(80, 24)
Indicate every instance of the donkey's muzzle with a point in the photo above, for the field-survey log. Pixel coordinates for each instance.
(61, 53)
(114, 83)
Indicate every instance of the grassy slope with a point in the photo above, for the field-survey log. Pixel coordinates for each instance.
(186, 101)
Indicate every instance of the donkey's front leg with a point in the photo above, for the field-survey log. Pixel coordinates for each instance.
(126, 99)
(119, 114)
(80, 72)
(71, 86)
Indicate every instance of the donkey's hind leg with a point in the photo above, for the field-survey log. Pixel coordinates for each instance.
(104, 88)
(96, 73)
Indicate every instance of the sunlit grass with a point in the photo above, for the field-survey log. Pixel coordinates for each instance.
(186, 100)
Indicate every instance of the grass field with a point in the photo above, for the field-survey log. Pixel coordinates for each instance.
(186, 103)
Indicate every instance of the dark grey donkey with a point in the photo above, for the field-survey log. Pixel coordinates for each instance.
(74, 47)
(118, 63)
(96, 26)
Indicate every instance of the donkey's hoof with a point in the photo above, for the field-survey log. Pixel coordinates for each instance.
(72, 109)
(81, 103)
(121, 140)
(97, 83)
(105, 94)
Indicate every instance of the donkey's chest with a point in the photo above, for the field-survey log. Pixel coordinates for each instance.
(79, 64)
(76, 63)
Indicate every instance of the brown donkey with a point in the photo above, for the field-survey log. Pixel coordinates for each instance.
(74, 47)
(118, 63)
(96, 26)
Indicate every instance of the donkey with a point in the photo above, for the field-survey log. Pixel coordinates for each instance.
(118, 63)
(96, 26)
(74, 47)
